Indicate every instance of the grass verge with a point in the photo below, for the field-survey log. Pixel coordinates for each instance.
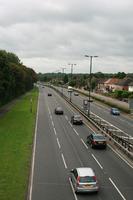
(107, 102)
(16, 138)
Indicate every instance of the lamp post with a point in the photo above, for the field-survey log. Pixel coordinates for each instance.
(71, 69)
(90, 81)
(62, 78)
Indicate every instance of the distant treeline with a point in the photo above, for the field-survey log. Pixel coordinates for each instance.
(15, 78)
(80, 80)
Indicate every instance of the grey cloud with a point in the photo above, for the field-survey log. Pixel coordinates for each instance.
(57, 31)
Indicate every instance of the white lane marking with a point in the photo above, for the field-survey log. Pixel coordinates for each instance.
(84, 143)
(66, 117)
(55, 131)
(112, 125)
(49, 110)
(117, 189)
(58, 143)
(52, 123)
(33, 156)
(123, 120)
(70, 124)
(64, 160)
(93, 131)
(121, 157)
(75, 131)
(113, 150)
(50, 116)
(97, 161)
(73, 190)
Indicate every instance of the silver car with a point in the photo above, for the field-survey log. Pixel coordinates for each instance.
(84, 180)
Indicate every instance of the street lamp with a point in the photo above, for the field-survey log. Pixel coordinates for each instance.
(90, 81)
(62, 78)
(71, 69)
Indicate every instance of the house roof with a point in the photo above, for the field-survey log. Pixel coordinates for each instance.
(112, 81)
(102, 81)
(130, 84)
(125, 82)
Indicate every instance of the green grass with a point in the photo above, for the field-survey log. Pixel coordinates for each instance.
(16, 138)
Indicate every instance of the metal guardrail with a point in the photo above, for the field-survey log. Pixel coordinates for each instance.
(119, 138)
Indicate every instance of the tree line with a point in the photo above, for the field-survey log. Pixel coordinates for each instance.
(79, 80)
(15, 78)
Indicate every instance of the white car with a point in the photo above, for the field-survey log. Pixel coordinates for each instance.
(83, 179)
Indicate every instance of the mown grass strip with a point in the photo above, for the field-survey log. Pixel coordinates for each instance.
(16, 138)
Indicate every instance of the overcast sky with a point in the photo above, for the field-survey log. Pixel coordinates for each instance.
(48, 34)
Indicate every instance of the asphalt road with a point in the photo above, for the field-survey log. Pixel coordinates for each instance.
(60, 146)
(122, 122)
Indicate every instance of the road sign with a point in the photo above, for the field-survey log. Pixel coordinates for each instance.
(85, 104)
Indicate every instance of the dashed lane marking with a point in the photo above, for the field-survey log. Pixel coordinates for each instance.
(117, 189)
(84, 143)
(64, 160)
(97, 161)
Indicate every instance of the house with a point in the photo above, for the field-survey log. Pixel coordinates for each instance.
(111, 84)
(130, 87)
(100, 85)
(124, 84)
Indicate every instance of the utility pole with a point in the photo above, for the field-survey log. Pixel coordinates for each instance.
(71, 64)
(63, 68)
(90, 82)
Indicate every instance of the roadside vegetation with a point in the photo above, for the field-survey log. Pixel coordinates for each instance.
(15, 78)
(16, 138)
(79, 80)
(120, 94)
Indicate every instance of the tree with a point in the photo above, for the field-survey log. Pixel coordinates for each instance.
(65, 79)
(118, 94)
(12, 58)
(15, 79)
(120, 75)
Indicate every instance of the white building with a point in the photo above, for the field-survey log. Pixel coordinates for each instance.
(130, 87)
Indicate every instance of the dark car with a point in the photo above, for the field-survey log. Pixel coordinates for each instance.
(49, 94)
(97, 140)
(115, 111)
(76, 119)
(59, 110)
(90, 100)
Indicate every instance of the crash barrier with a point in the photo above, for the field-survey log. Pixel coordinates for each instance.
(121, 139)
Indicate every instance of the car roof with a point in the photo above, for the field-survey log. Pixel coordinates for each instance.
(77, 115)
(97, 134)
(115, 108)
(85, 171)
(58, 107)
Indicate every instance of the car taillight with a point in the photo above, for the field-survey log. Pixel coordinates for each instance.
(78, 178)
(94, 178)
(93, 142)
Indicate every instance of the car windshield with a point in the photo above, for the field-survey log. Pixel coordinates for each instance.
(58, 108)
(87, 179)
(115, 109)
(99, 137)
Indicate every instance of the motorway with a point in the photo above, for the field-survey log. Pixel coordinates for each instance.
(60, 146)
(122, 122)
